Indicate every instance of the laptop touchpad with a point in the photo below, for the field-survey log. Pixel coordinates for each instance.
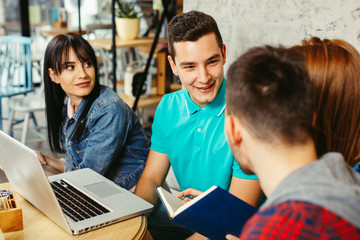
(102, 189)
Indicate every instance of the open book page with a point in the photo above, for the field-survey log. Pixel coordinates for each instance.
(188, 204)
(171, 202)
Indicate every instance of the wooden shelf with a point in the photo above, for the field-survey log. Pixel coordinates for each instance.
(56, 31)
(175, 87)
(163, 69)
(152, 100)
(106, 43)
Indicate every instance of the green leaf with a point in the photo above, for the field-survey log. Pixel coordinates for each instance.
(126, 10)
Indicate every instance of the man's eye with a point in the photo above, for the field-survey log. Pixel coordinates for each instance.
(189, 67)
(214, 61)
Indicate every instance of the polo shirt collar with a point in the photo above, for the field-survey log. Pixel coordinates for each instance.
(214, 108)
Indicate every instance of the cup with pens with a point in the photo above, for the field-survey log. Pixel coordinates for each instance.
(5, 200)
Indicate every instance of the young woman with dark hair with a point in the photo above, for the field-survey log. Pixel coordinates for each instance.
(86, 121)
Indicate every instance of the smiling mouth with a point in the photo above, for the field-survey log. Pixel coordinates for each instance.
(83, 84)
(207, 88)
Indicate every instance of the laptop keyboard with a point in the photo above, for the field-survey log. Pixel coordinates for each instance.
(74, 203)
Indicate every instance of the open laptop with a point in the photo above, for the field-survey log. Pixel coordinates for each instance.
(28, 178)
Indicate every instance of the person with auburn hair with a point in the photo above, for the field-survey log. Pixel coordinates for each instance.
(334, 71)
(86, 121)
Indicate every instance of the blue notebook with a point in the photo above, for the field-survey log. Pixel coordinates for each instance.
(214, 214)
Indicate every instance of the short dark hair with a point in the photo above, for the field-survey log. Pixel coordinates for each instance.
(268, 88)
(56, 53)
(191, 26)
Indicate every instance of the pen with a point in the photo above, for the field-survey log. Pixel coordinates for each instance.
(188, 196)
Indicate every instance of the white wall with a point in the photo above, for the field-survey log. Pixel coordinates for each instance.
(88, 11)
(247, 23)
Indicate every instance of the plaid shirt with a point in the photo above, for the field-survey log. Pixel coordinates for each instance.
(298, 220)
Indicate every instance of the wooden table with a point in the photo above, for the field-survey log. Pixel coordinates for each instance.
(39, 226)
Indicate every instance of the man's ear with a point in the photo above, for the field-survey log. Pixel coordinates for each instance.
(51, 73)
(223, 52)
(233, 130)
(173, 66)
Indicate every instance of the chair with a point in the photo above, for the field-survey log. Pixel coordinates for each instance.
(32, 102)
(15, 67)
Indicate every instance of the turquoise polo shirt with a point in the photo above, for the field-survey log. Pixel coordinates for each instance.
(193, 138)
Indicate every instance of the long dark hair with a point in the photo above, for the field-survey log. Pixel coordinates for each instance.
(56, 53)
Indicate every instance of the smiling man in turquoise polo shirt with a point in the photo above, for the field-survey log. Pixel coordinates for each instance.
(193, 138)
(188, 129)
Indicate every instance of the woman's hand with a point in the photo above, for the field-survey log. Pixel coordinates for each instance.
(50, 164)
(189, 194)
(41, 157)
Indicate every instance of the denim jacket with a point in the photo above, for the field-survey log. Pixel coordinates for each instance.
(112, 144)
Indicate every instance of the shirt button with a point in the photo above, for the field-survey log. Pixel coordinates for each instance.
(199, 129)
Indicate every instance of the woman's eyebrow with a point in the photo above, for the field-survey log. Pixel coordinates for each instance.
(65, 64)
(73, 62)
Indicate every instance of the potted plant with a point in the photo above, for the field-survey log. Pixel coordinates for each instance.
(127, 21)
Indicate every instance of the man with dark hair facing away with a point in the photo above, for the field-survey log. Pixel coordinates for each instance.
(268, 125)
